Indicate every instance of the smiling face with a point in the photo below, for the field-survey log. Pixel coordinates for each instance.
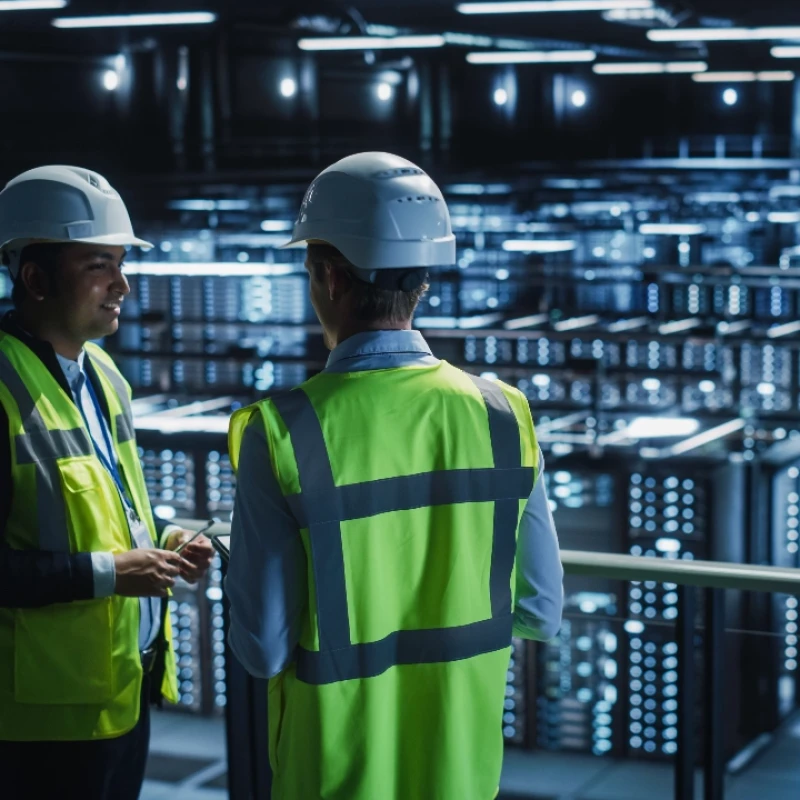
(80, 297)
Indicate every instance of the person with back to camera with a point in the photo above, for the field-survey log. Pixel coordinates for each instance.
(391, 529)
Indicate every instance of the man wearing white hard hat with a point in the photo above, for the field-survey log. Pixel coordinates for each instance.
(391, 528)
(85, 643)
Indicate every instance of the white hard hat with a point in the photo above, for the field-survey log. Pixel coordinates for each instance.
(61, 204)
(381, 212)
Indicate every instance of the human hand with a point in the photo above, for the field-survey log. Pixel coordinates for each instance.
(197, 555)
(147, 572)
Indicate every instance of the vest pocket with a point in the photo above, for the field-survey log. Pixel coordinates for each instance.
(62, 653)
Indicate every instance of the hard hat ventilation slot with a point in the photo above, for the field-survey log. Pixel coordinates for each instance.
(417, 199)
(399, 172)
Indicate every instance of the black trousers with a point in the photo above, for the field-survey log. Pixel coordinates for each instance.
(109, 769)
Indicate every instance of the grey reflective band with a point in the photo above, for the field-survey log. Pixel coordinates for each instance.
(368, 499)
(440, 645)
(42, 447)
(317, 486)
(321, 506)
(47, 445)
(123, 422)
(507, 453)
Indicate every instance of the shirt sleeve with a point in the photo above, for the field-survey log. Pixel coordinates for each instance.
(540, 576)
(104, 574)
(267, 582)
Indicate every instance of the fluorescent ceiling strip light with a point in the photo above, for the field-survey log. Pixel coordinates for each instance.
(137, 20)
(526, 322)
(562, 422)
(650, 68)
(783, 330)
(539, 246)
(197, 407)
(479, 321)
(532, 57)
(784, 217)
(723, 34)
(155, 422)
(670, 229)
(370, 42)
(661, 427)
(231, 269)
(31, 5)
(730, 328)
(276, 225)
(678, 326)
(792, 51)
(712, 434)
(577, 322)
(547, 6)
(742, 77)
(628, 324)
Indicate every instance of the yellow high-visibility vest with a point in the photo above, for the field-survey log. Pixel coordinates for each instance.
(407, 486)
(70, 671)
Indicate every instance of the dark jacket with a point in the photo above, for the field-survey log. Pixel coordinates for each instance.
(35, 578)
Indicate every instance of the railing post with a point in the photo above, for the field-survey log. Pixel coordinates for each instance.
(684, 758)
(714, 695)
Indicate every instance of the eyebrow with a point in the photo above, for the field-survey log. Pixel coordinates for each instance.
(110, 257)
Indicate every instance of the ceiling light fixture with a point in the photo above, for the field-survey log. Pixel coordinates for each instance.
(724, 34)
(31, 5)
(786, 51)
(370, 42)
(532, 57)
(136, 20)
(742, 77)
(650, 68)
(547, 6)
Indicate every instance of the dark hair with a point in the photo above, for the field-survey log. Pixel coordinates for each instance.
(47, 255)
(370, 304)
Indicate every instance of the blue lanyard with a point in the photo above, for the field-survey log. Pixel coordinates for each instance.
(108, 464)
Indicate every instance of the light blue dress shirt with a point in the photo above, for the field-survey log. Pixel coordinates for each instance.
(267, 580)
(103, 569)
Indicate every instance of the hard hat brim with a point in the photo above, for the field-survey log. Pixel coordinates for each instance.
(117, 240)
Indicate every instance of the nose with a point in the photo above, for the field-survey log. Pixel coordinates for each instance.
(120, 283)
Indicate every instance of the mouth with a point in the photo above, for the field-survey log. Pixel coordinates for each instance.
(114, 308)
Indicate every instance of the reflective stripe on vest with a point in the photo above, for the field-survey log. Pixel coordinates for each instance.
(40, 446)
(322, 507)
(123, 421)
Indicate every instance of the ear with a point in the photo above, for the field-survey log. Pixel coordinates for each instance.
(339, 281)
(35, 280)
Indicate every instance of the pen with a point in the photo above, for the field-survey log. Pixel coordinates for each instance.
(209, 524)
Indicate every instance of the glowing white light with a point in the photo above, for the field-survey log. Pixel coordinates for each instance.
(288, 87)
(766, 389)
(276, 225)
(578, 98)
(652, 427)
(723, 34)
(548, 6)
(532, 57)
(31, 5)
(218, 269)
(384, 91)
(786, 52)
(500, 97)
(706, 386)
(539, 246)
(650, 68)
(730, 97)
(651, 384)
(136, 20)
(671, 229)
(110, 80)
(165, 512)
(634, 627)
(667, 545)
(370, 42)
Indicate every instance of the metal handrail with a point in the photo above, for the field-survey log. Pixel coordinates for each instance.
(706, 574)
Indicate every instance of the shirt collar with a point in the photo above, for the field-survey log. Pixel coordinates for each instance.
(72, 369)
(374, 343)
